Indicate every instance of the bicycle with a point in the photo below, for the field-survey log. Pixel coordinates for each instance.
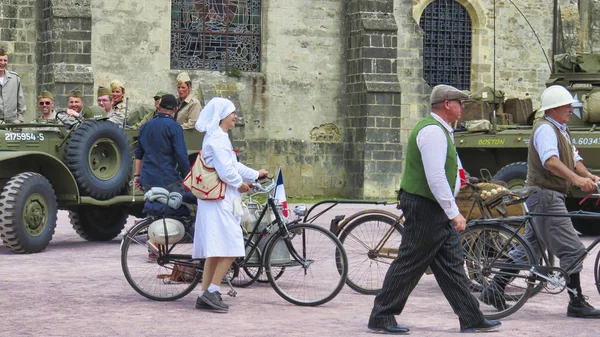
(372, 238)
(497, 249)
(305, 253)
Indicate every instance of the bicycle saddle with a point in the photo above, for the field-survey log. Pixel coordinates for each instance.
(525, 192)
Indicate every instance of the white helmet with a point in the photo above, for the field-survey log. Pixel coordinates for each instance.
(555, 96)
(175, 231)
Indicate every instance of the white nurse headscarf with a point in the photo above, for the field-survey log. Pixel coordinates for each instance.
(210, 116)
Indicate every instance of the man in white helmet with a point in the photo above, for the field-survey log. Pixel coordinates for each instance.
(553, 165)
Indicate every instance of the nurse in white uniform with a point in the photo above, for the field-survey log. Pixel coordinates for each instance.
(218, 236)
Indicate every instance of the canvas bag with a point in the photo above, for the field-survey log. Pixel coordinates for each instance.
(203, 181)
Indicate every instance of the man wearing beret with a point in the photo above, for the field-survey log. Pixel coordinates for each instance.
(136, 120)
(189, 106)
(12, 101)
(161, 155)
(104, 100)
(46, 107)
(430, 182)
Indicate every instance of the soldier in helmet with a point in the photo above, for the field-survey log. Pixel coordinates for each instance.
(553, 166)
(189, 106)
(12, 101)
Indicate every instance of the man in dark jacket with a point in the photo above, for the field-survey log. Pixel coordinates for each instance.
(161, 156)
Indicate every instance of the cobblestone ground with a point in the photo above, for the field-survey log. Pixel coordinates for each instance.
(77, 288)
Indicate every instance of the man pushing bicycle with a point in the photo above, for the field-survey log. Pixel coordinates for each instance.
(553, 165)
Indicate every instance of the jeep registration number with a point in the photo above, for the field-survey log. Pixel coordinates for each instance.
(23, 136)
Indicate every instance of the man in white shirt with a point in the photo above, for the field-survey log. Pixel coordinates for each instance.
(430, 182)
(12, 101)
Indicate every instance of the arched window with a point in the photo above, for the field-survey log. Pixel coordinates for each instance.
(215, 34)
(446, 44)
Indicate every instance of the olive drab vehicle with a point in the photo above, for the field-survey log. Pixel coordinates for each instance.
(86, 169)
(499, 145)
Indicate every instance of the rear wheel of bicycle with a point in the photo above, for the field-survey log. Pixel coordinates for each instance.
(487, 245)
(308, 255)
(597, 272)
(250, 271)
(371, 243)
(153, 276)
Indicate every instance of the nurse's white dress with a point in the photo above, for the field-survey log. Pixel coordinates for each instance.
(218, 232)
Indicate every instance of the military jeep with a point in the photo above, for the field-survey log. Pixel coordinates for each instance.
(502, 150)
(86, 169)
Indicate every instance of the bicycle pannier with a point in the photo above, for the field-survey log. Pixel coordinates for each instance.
(204, 182)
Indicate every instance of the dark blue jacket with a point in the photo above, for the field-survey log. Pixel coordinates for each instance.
(161, 148)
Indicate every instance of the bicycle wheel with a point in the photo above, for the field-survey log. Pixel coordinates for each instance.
(311, 274)
(371, 243)
(157, 277)
(491, 250)
(597, 272)
(249, 271)
(277, 271)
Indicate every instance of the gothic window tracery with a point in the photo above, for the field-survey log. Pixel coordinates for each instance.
(218, 35)
(446, 44)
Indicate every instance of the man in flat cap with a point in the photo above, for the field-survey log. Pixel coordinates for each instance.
(145, 113)
(189, 106)
(46, 107)
(12, 101)
(104, 100)
(430, 182)
(161, 155)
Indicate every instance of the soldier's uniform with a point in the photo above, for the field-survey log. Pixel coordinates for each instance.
(149, 113)
(12, 101)
(113, 115)
(189, 108)
(118, 107)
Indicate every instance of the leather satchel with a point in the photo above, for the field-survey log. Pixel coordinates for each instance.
(203, 181)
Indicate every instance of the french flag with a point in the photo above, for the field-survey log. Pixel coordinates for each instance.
(280, 194)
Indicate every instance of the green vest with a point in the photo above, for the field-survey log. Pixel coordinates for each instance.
(414, 180)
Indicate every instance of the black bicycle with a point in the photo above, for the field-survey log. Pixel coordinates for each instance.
(304, 263)
(494, 248)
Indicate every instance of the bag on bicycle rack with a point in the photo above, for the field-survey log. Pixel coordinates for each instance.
(204, 182)
(182, 273)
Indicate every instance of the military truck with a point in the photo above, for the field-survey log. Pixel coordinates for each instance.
(501, 146)
(85, 169)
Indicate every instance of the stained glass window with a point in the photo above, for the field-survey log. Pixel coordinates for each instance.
(218, 35)
(446, 44)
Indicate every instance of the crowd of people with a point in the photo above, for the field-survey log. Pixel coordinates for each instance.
(110, 103)
(430, 183)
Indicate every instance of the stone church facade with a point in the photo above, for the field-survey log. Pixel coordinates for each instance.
(335, 85)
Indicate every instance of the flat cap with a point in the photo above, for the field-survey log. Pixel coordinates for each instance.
(102, 91)
(46, 94)
(443, 92)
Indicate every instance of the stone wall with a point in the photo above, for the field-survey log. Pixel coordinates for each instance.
(18, 36)
(64, 50)
(340, 85)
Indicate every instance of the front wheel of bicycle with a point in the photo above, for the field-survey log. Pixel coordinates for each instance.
(308, 254)
(371, 243)
(597, 272)
(491, 251)
(158, 282)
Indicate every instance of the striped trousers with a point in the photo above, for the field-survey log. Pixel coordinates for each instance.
(429, 240)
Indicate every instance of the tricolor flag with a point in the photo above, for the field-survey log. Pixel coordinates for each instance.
(462, 174)
(280, 193)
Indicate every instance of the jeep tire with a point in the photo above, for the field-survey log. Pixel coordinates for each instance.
(97, 223)
(99, 156)
(28, 211)
(513, 175)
